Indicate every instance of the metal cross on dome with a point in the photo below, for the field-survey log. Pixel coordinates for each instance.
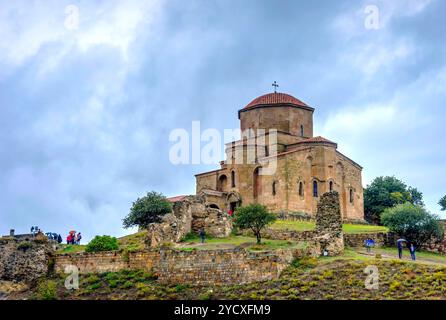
(275, 85)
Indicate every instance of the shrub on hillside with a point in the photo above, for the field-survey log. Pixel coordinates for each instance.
(255, 217)
(46, 290)
(147, 210)
(413, 223)
(102, 243)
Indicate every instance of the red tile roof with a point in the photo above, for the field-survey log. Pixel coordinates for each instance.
(275, 98)
(318, 139)
(176, 199)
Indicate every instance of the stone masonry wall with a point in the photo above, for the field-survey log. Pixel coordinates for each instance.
(232, 266)
(329, 224)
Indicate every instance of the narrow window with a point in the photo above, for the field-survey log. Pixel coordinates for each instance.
(301, 130)
(233, 179)
(274, 188)
(301, 189)
(331, 186)
(266, 151)
(315, 193)
(351, 195)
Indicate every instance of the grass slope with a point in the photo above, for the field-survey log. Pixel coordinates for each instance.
(310, 225)
(326, 278)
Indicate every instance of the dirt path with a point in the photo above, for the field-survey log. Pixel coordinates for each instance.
(406, 256)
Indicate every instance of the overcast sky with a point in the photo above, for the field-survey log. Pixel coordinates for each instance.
(87, 108)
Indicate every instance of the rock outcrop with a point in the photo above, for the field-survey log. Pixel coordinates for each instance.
(24, 260)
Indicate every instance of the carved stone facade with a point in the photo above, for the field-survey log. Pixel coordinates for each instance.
(305, 168)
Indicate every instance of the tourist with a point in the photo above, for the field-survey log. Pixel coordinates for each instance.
(230, 212)
(367, 244)
(78, 238)
(412, 251)
(399, 244)
(59, 239)
(69, 238)
(202, 235)
(32, 230)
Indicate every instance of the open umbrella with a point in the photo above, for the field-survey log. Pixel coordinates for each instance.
(401, 240)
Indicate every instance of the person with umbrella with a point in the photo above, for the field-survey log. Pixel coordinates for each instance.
(399, 244)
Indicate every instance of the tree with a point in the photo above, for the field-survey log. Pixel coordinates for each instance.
(102, 243)
(412, 222)
(387, 192)
(147, 210)
(255, 217)
(442, 203)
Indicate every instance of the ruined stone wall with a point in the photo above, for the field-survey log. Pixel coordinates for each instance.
(206, 267)
(24, 260)
(110, 261)
(329, 224)
(189, 215)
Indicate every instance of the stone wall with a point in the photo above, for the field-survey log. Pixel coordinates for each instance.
(357, 240)
(110, 261)
(24, 260)
(202, 267)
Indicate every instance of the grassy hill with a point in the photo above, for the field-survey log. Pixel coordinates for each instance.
(329, 278)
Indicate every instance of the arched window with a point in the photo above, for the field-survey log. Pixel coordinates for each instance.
(222, 183)
(351, 196)
(301, 189)
(274, 188)
(233, 179)
(315, 191)
(330, 185)
(257, 183)
(301, 130)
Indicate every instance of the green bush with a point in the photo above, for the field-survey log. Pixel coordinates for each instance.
(413, 223)
(102, 243)
(147, 210)
(24, 245)
(191, 236)
(47, 290)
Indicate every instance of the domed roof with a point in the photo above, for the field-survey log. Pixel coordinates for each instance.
(276, 98)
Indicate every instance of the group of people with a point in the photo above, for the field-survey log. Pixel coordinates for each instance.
(410, 245)
(369, 243)
(35, 230)
(74, 238)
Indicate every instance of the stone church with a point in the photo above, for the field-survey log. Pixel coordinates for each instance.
(306, 166)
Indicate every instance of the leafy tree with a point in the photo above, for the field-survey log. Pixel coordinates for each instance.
(102, 243)
(387, 192)
(147, 210)
(412, 222)
(255, 217)
(442, 203)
